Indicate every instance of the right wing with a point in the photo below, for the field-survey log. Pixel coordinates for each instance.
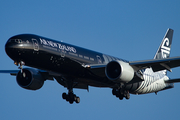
(157, 64)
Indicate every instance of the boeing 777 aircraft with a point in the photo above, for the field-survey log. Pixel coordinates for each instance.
(76, 67)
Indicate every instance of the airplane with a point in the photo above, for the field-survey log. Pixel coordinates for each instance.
(75, 67)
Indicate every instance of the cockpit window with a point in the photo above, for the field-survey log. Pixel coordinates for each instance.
(27, 41)
(15, 40)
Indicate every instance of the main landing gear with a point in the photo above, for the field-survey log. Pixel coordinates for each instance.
(70, 97)
(120, 93)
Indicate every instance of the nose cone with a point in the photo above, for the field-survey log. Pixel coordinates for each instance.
(13, 48)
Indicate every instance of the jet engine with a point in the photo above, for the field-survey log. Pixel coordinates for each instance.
(119, 71)
(30, 79)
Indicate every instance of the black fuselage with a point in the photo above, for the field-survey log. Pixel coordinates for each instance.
(59, 57)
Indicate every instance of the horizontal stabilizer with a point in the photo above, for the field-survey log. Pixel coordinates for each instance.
(173, 81)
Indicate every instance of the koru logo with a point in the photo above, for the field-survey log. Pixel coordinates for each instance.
(165, 48)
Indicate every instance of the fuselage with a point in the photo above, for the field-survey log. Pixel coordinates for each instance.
(59, 57)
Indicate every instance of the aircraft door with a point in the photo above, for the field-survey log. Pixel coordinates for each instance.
(35, 45)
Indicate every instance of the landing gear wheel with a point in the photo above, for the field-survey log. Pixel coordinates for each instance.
(120, 93)
(114, 92)
(71, 97)
(71, 101)
(121, 96)
(77, 100)
(64, 95)
(127, 96)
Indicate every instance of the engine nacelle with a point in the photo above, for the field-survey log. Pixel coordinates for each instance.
(119, 71)
(30, 79)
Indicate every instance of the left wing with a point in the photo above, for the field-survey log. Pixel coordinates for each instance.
(48, 75)
(12, 72)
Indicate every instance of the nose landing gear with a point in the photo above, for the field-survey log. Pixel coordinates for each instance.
(21, 63)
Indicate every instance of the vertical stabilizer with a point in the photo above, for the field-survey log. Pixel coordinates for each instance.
(165, 47)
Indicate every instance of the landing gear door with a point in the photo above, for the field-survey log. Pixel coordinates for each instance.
(35, 45)
(62, 53)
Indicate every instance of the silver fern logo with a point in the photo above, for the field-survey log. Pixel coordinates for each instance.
(165, 48)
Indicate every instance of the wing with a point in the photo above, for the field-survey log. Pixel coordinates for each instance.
(97, 69)
(12, 72)
(48, 75)
(157, 64)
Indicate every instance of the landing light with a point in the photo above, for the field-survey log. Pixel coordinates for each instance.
(16, 63)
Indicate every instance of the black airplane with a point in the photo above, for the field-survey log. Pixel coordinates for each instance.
(76, 67)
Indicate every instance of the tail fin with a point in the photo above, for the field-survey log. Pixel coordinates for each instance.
(165, 47)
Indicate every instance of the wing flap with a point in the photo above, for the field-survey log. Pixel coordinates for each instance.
(97, 69)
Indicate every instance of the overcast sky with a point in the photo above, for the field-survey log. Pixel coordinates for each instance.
(130, 30)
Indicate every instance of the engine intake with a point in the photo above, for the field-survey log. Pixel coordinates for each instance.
(119, 71)
(30, 79)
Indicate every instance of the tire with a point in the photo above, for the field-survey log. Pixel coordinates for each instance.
(77, 100)
(64, 95)
(72, 96)
(114, 92)
(121, 97)
(71, 101)
(127, 96)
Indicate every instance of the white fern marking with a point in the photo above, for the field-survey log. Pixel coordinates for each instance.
(165, 49)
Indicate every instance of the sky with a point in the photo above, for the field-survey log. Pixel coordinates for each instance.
(129, 29)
